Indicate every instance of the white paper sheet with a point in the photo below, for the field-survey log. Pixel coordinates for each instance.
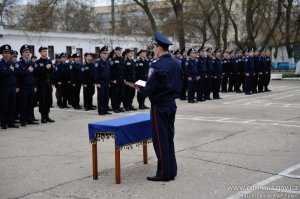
(140, 83)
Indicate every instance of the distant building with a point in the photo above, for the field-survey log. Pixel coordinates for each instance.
(68, 42)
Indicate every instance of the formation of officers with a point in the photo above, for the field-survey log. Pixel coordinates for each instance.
(28, 82)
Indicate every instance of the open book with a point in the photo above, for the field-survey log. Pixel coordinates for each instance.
(140, 83)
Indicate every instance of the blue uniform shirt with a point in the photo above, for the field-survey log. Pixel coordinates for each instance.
(164, 82)
(192, 68)
(27, 79)
(7, 74)
(102, 71)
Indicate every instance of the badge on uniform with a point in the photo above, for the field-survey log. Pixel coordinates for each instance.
(151, 70)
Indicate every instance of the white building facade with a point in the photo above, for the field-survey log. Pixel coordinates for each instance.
(68, 42)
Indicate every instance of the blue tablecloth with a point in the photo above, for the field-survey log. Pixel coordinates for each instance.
(126, 130)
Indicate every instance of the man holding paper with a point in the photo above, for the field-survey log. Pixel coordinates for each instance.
(163, 87)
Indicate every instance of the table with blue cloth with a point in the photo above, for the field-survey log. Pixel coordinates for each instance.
(126, 131)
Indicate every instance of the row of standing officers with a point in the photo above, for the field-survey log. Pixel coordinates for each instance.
(206, 72)
(26, 83)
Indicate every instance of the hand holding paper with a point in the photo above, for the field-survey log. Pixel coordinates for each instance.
(140, 83)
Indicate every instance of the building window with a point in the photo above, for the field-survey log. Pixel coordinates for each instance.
(51, 52)
(97, 52)
(31, 47)
(69, 50)
(79, 51)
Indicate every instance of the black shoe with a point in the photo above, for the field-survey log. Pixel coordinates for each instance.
(32, 123)
(132, 108)
(3, 127)
(13, 126)
(121, 110)
(159, 179)
(43, 120)
(50, 120)
(23, 124)
(216, 98)
(105, 113)
(116, 111)
(191, 101)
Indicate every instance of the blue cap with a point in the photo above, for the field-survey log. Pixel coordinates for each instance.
(162, 40)
(6, 48)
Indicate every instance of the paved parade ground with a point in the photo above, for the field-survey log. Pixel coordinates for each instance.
(238, 147)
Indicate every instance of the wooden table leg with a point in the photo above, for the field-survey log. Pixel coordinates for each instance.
(118, 165)
(95, 160)
(145, 152)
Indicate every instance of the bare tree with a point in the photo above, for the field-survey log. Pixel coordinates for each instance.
(113, 19)
(144, 4)
(5, 5)
(178, 6)
(60, 15)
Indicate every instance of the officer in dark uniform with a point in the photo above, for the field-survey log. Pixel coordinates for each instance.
(88, 83)
(58, 80)
(204, 69)
(130, 78)
(237, 72)
(67, 86)
(191, 65)
(231, 71)
(216, 74)
(27, 86)
(7, 89)
(248, 70)
(142, 67)
(184, 86)
(256, 71)
(260, 83)
(268, 68)
(14, 61)
(75, 76)
(43, 74)
(163, 86)
(117, 70)
(102, 80)
(225, 73)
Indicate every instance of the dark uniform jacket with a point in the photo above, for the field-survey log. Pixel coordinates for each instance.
(26, 78)
(164, 82)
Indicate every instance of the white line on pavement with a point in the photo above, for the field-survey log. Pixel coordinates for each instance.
(238, 121)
